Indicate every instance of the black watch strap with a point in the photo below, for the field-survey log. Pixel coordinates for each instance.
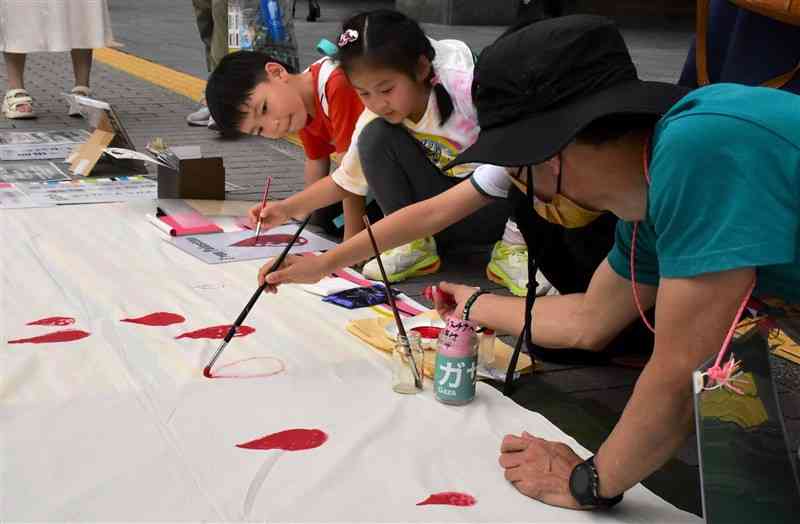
(469, 303)
(584, 484)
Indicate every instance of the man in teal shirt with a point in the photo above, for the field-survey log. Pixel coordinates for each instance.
(709, 179)
(724, 191)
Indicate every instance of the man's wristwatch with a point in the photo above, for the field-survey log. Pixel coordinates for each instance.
(584, 484)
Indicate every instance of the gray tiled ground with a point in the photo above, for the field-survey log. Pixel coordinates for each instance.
(165, 33)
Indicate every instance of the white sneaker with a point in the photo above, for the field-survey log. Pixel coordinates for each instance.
(199, 118)
(416, 258)
(211, 124)
(508, 267)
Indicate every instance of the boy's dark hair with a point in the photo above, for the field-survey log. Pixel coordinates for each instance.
(610, 128)
(231, 84)
(389, 39)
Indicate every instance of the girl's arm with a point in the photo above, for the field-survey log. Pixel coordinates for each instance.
(405, 225)
(315, 170)
(354, 208)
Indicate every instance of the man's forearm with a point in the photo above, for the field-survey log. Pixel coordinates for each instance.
(655, 423)
(551, 317)
(321, 194)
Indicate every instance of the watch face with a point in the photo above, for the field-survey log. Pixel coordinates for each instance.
(580, 484)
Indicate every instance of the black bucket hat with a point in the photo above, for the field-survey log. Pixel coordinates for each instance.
(538, 87)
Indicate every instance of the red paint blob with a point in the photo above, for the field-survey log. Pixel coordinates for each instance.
(207, 372)
(217, 332)
(59, 336)
(52, 321)
(428, 331)
(449, 498)
(288, 440)
(160, 318)
(270, 241)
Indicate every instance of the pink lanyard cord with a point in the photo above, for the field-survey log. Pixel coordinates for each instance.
(718, 374)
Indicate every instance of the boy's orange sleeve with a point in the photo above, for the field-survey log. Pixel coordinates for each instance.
(345, 108)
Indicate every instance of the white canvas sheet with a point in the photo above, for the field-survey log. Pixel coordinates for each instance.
(122, 426)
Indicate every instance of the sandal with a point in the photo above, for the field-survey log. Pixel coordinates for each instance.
(14, 99)
(74, 108)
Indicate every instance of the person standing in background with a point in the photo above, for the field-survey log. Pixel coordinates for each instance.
(77, 26)
(212, 24)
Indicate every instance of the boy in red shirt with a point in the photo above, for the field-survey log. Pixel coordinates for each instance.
(250, 92)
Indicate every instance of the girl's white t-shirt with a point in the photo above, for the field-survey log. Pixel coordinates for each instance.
(454, 65)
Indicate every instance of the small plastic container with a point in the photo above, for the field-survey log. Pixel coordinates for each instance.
(486, 348)
(402, 363)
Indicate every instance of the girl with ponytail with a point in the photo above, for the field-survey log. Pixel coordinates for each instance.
(419, 116)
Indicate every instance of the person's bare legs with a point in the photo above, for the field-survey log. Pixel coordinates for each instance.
(81, 66)
(15, 72)
(15, 67)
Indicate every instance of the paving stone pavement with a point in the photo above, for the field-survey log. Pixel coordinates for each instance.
(165, 32)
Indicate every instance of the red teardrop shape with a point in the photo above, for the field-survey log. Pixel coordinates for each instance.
(270, 241)
(160, 318)
(288, 440)
(52, 321)
(217, 332)
(449, 498)
(59, 336)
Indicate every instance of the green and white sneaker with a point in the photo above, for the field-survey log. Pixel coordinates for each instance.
(410, 260)
(508, 267)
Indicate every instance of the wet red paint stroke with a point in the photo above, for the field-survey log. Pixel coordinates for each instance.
(279, 369)
(217, 332)
(449, 498)
(288, 440)
(52, 321)
(428, 331)
(270, 241)
(59, 336)
(160, 318)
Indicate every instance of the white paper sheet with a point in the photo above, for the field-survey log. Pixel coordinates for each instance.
(122, 426)
(219, 248)
(92, 190)
(12, 198)
(16, 172)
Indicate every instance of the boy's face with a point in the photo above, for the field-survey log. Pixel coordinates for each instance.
(275, 108)
(391, 94)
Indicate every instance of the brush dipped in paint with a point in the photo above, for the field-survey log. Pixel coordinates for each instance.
(401, 330)
(253, 299)
(263, 203)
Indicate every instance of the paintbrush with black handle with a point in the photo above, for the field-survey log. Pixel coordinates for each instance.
(401, 330)
(253, 299)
